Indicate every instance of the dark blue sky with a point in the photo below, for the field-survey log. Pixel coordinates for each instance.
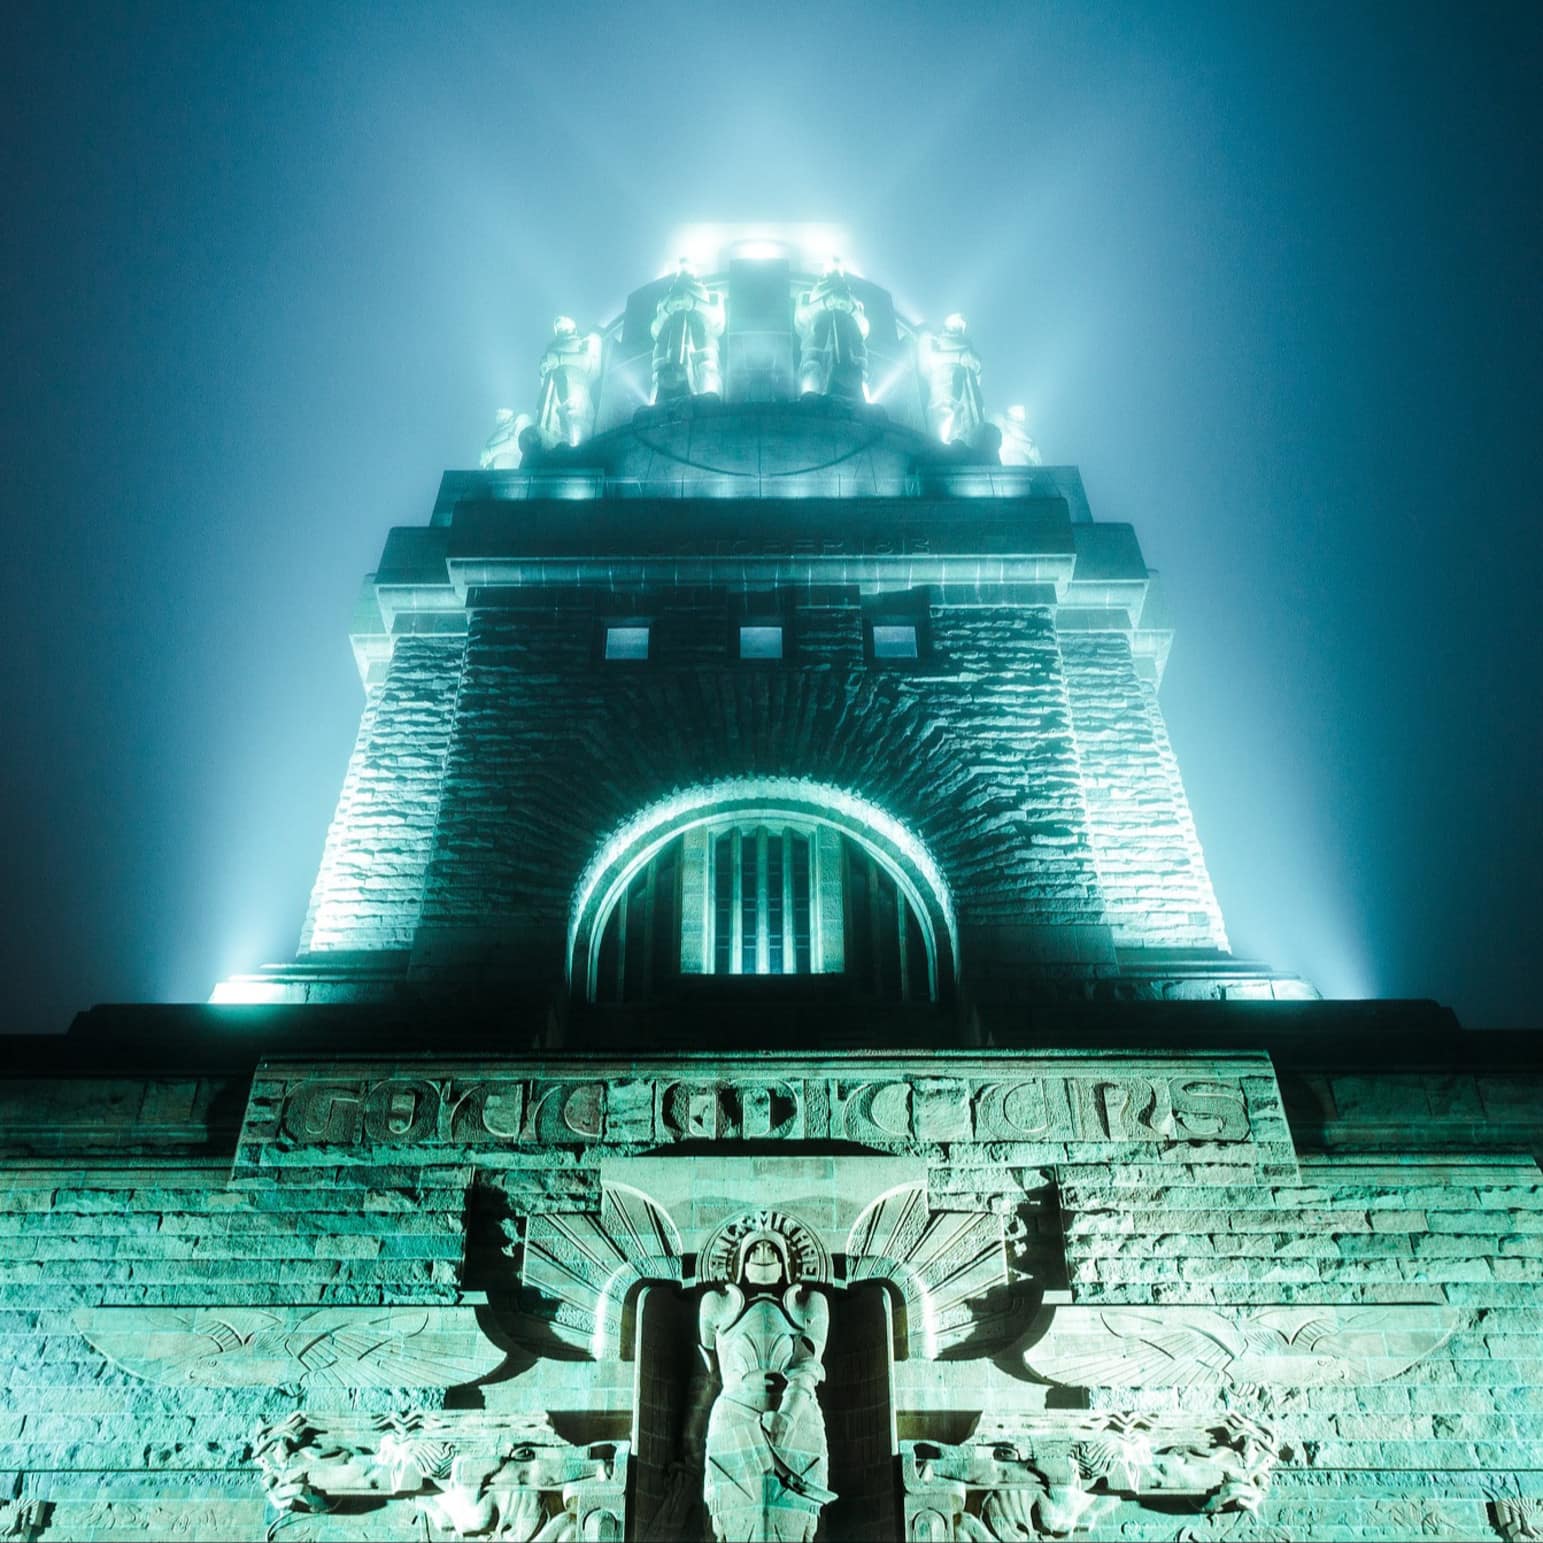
(1272, 277)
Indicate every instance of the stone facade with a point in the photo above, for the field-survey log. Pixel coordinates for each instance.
(223, 1294)
(787, 1083)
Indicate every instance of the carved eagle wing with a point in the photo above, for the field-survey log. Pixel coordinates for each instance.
(1189, 1346)
(354, 1347)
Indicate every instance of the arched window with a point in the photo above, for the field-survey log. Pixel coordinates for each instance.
(740, 887)
(764, 896)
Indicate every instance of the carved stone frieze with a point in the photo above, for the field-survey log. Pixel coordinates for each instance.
(293, 1112)
(866, 1219)
(1049, 1475)
(441, 1474)
(257, 1347)
(1164, 1347)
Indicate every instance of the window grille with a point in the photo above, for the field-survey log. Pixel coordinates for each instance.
(759, 896)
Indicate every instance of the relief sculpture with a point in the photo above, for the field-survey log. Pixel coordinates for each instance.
(764, 1455)
(441, 1475)
(1053, 1474)
(1090, 1347)
(261, 1347)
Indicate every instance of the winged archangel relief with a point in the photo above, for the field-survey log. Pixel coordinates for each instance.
(243, 1347)
(1091, 1347)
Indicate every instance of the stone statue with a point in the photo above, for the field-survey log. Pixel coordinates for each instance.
(951, 368)
(687, 326)
(763, 1338)
(833, 337)
(503, 451)
(1018, 447)
(568, 370)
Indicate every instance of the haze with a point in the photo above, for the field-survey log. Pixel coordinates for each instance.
(1270, 276)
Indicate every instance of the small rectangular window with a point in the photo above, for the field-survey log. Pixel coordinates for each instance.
(626, 642)
(894, 640)
(760, 642)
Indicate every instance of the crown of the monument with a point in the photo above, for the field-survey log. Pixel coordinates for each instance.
(673, 391)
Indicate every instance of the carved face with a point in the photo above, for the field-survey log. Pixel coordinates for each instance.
(763, 1264)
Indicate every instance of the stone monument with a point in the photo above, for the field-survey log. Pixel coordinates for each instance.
(764, 1059)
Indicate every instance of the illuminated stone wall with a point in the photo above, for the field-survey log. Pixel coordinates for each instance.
(1031, 762)
(369, 891)
(1151, 873)
(1137, 1248)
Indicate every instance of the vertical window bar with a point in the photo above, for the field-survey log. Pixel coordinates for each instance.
(802, 891)
(776, 916)
(725, 906)
(696, 904)
(762, 906)
(747, 898)
(901, 915)
(828, 906)
(790, 839)
(649, 885)
(737, 890)
(875, 923)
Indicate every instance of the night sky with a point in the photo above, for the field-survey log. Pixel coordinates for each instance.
(1271, 277)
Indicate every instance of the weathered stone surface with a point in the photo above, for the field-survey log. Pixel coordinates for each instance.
(488, 1253)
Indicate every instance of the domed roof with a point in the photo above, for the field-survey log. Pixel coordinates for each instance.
(753, 370)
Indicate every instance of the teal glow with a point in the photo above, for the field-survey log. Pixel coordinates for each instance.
(894, 641)
(637, 842)
(760, 642)
(626, 642)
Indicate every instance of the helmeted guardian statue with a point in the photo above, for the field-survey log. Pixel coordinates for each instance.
(832, 336)
(763, 1339)
(951, 368)
(569, 368)
(687, 325)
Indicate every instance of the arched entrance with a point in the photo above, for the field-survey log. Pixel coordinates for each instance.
(768, 877)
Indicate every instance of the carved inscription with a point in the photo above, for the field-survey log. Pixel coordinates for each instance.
(896, 1112)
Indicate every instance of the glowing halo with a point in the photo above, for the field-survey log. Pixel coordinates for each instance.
(641, 838)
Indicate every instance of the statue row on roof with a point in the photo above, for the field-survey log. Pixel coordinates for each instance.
(687, 332)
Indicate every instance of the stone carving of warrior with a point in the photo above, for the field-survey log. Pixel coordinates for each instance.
(765, 1462)
(1018, 447)
(568, 370)
(503, 450)
(687, 326)
(951, 368)
(832, 336)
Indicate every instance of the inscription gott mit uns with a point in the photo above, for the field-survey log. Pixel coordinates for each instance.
(883, 1113)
